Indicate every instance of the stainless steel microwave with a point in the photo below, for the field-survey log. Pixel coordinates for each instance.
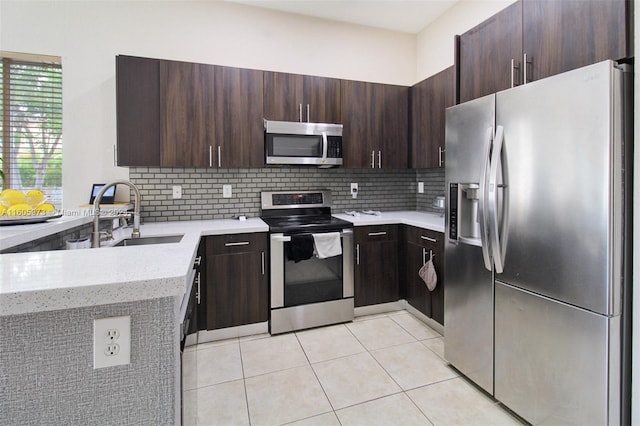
(311, 144)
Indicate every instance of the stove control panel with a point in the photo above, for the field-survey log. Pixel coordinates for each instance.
(297, 199)
(284, 199)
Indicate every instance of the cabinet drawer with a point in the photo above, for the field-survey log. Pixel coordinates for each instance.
(424, 237)
(236, 243)
(376, 233)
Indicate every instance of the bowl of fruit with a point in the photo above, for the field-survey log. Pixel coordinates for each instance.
(17, 207)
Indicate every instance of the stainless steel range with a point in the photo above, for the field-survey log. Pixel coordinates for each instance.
(311, 258)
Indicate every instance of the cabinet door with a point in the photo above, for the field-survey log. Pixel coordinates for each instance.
(283, 96)
(376, 269)
(420, 245)
(321, 100)
(357, 136)
(417, 293)
(429, 100)
(559, 36)
(237, 285)
(395, 127)
(238, 130)
(186, 108)
(138, 111)
(486, 51)
(238, 294)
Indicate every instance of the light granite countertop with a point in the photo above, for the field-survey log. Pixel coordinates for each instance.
(432, 221)
(66, 279)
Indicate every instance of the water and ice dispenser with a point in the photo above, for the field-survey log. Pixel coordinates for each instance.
(463, 211)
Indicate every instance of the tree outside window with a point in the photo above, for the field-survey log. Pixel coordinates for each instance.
(31, 128)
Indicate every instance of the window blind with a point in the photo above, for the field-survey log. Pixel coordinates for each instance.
(31, 132)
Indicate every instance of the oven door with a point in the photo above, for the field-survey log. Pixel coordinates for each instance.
(310, 281)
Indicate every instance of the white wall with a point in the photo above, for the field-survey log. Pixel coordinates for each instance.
(88, 35)
(435, 44)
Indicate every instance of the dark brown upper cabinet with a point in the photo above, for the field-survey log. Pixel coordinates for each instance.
(375, 118)
(180, 114)
(138, 111)
(186, 108)
(237, 123)
(559, 36)
(305, 98)
(429, 100)
(490, 54)
(534, 39)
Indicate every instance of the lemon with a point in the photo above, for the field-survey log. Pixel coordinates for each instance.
(35, 197)
(10, 197)
(45, 208)
(19, 210)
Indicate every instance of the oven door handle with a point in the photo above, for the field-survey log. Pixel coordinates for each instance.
(287, 238)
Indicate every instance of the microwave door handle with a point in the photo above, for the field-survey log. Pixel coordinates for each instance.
(325, 147)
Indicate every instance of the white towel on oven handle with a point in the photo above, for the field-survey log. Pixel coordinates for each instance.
(327, 244)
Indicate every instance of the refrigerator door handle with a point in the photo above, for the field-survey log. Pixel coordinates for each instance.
(498, 225)
(482, 201)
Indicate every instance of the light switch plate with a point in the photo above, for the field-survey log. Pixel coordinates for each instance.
(420, 187)
(226, 191)
(177, 191)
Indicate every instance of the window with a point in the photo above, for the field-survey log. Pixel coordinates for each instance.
(31, 127)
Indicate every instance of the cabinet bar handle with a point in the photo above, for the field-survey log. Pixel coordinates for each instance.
(300, 113)
(379, 159)
(440, 152)
(512, 64)
(524, 69)
(219, 156)
(373, 159)
(241, 243)
(198, 282)
(308, 115)
(197, 261)
(424, 255)
(357, 254)
(262, 259)
(433, 240)
(375, 234)
(210, 156)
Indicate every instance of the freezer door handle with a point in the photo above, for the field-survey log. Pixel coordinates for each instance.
(482, 200)
(498, 226)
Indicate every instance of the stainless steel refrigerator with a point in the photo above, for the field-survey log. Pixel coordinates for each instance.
(538, 231)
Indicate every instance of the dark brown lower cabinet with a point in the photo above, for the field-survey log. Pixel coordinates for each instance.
(419, 244)
(237, 284)
(198, 318)
(376, 268)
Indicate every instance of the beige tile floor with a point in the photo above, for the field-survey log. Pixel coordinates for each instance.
(383, 369)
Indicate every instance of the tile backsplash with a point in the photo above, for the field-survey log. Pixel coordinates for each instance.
(202, 198)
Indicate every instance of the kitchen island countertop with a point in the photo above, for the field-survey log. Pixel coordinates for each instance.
(66, 279)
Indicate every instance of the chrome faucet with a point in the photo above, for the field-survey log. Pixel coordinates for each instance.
(95, 235)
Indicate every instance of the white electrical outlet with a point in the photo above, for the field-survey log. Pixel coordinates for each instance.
(354, 190)
(111, 341)
(177, 191)
(226, 191)
(420, 187)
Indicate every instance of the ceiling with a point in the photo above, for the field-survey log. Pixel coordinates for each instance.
(408, 16)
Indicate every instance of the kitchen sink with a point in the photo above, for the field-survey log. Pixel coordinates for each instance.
(143, 241)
